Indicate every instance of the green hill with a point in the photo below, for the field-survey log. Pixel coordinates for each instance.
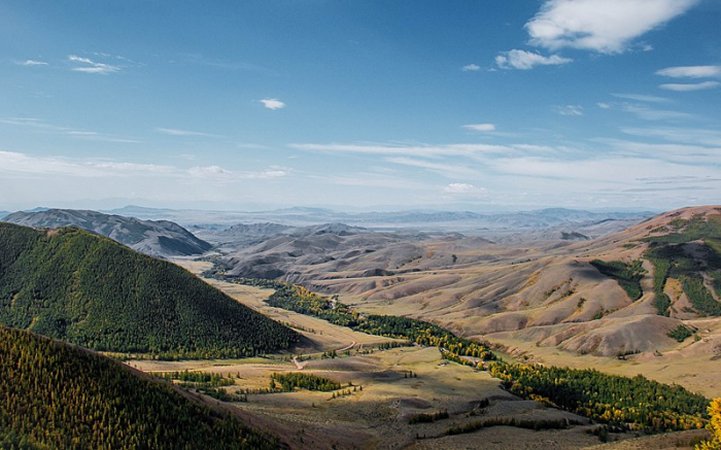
(58, 396)
(76, 286)
(690, 251)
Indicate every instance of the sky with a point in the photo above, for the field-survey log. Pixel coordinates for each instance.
(385, 104)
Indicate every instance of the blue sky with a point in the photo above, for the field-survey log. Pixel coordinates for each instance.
(360, 104)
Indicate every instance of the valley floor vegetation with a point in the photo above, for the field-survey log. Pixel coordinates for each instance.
(620, 402)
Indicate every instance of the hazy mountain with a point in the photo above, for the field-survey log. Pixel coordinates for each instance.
(4, 213)
(89, 290)
(241, 235)
(463, 221)
(337, 250)
(156, 238)
(51, 392)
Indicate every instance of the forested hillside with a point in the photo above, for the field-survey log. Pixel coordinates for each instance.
(54, 395)
(88, 290)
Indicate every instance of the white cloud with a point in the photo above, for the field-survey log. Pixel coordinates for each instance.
(44, 127)
(646, 113)
(21, 163)
(208, 172)
(690, 71)
(698, 136)
(180, 132)
(603, 105)
(462, 188)
(32, 62)
(269, 173)
(426, 151)
(482, 127)
(445, 169)
(471, 68)
(570, 110)
(643, 98)
(524, 60)
(687, 87)
(87, 65)
(272, 103)
(604, 26)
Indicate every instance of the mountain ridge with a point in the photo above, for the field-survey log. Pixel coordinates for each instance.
(156, 238)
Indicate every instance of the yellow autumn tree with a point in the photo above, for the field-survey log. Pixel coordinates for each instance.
(714, 426)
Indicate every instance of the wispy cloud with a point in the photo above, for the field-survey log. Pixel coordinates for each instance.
(41, 126)
(643, 98)
(570, 110)
(450, 170)
(181, 132)
(272, 103)
(480, 127)
(688, 87)
(24, 164)
(525, 60)
(690, 71)
(647, 113)
(32, 62)
(87, 65)
(425, 151)
(707, 137)
(604, 26)
(471, 68)
(464, 189)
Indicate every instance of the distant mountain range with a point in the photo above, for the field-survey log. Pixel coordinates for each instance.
(543, 224)
(155, 238)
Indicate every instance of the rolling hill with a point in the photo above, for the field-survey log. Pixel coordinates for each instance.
(302, 254)
(637, 291)
(156, 238)
(89, 290)
(58, 396)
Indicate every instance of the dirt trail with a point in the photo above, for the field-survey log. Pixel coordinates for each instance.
(300, 366)
(347, 347)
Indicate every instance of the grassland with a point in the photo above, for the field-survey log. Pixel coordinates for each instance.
(377, 413)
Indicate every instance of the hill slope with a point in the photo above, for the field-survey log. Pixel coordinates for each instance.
(155, 238)
(58, 396)
(74, 285)
(640, 290)
(336, 250)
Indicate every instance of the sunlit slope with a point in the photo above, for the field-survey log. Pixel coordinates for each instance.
(88, 290)
(58, 396)
(624, 293)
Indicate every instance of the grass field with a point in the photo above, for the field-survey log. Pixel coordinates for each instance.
(389, 388)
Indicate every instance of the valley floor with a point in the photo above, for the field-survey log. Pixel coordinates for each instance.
(390, 387)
